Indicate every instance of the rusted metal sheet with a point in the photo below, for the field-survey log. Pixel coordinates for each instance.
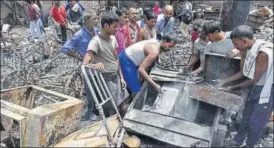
(43, 124)
(216, 97)
(217, 66)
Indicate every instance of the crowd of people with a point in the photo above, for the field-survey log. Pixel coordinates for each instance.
(123, 49)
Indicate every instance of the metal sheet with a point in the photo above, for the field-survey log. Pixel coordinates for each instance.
(164, 135)
(216, 97)
(167, 123)
(217, 66)
(164, 103)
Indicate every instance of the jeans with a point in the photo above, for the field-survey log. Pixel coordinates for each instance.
(255, 117)
(35, 29)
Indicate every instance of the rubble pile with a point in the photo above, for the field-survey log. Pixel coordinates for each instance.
(38, 63)
(179, 56)
(265, 32)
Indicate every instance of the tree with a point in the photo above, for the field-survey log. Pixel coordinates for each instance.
(235, 13)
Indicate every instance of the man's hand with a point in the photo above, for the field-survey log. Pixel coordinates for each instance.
(70, 29)
(188, 67)
(196, 72)
(232, 53)
(123, 84)
(98, 66)
(220, 82)
(229, 88)
(158, 88)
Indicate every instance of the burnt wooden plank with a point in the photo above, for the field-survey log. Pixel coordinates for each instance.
(94, 135)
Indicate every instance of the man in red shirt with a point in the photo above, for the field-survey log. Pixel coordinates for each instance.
(58, 13)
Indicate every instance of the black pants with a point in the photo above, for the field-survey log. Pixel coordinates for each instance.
(64, 34)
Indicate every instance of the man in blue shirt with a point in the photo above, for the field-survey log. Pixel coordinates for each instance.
(79, 42)
(165, 22)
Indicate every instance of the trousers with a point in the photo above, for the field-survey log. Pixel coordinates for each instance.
(255, 117)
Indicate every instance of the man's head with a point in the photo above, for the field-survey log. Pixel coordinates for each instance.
(123, 15)
(146, 11)
(30, 1)
(73, 2)
(198, 15)
(168, 41)
(109, 22)
(151, 19)
(212, 30)
(168, 12)
(57, 3)
(90, 20)
(132, 14)
(157, 4)
(242, 37)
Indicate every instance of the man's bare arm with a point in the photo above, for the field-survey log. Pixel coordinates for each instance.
(88, 61)
(261, 67)
(150, 58)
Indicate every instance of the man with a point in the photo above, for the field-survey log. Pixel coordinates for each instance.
(157, 8)
(257, 66)
(75, 14)
(134, 27)
(184, 14)
(148, 31)
(58, 14)
(142, 54)
(122, 35)
(35, 21)
(79, 42)
(221, 44)
(165, 22)
(101, 56)
(198, 49)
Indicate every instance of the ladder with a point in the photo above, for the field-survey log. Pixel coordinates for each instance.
(99, 86)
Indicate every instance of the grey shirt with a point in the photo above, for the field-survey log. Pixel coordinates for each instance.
(221, 47)
(104, 52)
(199, 48)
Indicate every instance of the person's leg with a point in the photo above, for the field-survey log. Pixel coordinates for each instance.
(243, 128)
(90, 109)
(32, 31)
(259, 118)
(244, 125)
(38, 27)
(64, 34)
